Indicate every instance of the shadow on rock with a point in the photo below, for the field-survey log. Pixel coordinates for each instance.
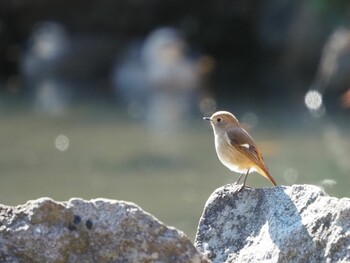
(281, 224)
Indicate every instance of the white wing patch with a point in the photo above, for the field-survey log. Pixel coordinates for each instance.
(246, 145)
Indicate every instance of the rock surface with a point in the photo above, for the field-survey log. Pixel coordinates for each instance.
(99, 230)
(282, 224)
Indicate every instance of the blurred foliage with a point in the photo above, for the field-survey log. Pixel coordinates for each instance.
(270, 48)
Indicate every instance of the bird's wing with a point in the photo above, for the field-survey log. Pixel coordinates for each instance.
(244, 143)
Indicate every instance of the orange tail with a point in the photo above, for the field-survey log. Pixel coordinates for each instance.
(264, 172)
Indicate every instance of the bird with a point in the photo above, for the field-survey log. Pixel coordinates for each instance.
(235, 148)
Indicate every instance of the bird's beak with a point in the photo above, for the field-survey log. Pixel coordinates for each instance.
(206, 118)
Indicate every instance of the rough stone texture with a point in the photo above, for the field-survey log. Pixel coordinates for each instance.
(282, 224)
(99, 230)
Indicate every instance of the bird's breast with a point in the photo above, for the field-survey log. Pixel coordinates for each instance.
(230, 157)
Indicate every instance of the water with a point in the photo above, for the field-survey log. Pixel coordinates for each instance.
(97, 151)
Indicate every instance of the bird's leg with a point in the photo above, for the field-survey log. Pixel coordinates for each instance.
(239, 178)
(245, 179)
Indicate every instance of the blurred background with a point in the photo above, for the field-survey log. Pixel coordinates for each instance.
(106, 98)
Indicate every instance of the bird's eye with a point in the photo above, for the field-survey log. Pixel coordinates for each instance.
(218, 120)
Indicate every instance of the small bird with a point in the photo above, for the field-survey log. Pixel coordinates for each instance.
(235, 148)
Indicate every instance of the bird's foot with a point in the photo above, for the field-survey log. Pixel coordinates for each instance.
(243, 187)
(240, 189)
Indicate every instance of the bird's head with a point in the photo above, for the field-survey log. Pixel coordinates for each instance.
(222, 120)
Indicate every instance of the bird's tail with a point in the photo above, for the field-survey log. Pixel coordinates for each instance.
(265, 172)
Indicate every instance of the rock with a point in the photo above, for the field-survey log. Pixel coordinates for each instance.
(99, 230)
(282, 224)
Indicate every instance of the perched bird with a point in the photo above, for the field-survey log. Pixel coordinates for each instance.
(235, 148)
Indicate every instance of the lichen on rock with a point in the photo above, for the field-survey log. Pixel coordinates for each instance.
(282, 224)
(98, 230)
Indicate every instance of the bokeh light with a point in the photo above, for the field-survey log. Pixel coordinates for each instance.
(250, 119)
(328, 183)
(290, 175)
(207, 106)
(313, 100)
(62, 143)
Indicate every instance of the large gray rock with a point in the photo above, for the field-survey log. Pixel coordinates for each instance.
(99, 230)
(283, 224)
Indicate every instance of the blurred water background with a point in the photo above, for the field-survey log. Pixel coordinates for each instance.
(106, 98)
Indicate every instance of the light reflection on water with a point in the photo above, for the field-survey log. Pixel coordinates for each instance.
(170, 177)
